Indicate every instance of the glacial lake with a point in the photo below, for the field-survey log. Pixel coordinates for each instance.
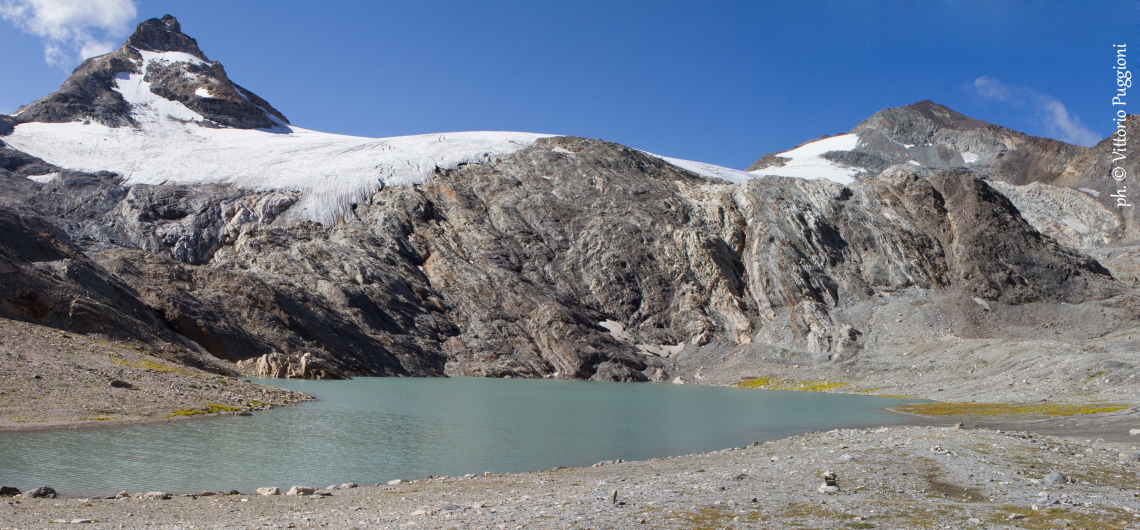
(371, 430)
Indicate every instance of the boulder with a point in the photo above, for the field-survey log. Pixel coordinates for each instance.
(1057, 477)
(43, 492)
(301, 490)
(269, 491)
(8, 491)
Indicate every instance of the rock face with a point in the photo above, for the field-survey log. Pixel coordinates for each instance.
(571, 258)
(47, 279)
(200, 85)
(276, 365)
(1065, 191)
(512, 268)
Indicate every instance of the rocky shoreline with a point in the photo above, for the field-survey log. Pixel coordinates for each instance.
(899, 477)
(57, 379)
(931, 476)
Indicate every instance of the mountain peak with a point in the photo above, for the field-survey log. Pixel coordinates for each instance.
(158, 77)
(163, 35)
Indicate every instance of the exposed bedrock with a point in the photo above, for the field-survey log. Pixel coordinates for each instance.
(574, 258)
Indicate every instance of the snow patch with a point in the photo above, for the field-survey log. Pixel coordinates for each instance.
(203, 93)
(147, 106)
(1076, 224)
(169, 57)
(709, 170)
(913, 163)
(806, 161)
(969, 157)
(617, 330)
(332, 172)
(1090, 191)
(44, 179)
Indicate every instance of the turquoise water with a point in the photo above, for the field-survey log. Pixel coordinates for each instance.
(371, 430)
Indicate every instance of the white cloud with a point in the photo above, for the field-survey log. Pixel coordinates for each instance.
(69, 27)
(1064, 125)
(1057, 120)
(991, 88)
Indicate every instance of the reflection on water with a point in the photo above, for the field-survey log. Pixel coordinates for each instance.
(371, 430)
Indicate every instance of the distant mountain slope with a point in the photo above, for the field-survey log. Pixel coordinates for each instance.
(1065, 190)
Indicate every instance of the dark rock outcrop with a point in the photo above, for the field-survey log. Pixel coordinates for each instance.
(45, 279)
(89, 94)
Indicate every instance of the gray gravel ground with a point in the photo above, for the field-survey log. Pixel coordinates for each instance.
(908, 477)
(52, 378)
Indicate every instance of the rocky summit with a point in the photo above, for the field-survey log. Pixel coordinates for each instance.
(157, 59)
(563, 257)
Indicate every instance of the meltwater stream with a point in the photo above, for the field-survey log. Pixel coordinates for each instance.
(371, 430)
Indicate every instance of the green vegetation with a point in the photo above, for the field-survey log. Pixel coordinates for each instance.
(996, 409)
(772, 383)
(211, 408)
(147, 365)
(1045, 519)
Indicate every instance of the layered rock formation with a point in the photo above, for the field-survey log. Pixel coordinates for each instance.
(572, 258)
(279, 366)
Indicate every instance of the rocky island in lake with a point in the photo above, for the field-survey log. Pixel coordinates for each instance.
(166, 234)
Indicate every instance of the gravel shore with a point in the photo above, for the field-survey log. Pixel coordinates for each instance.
(908, 477)
(55, 379)
(901, 477)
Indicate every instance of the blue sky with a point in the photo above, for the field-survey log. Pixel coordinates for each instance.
(722, 82)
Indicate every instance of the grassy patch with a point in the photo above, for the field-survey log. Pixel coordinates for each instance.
(210, 409)
(155, 366)
(1044, 519)
(771, 383)
(1094, 376)
(710, 518)
(995, 409)
(759, 382)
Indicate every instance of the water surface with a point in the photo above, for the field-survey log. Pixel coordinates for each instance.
(371, 430)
